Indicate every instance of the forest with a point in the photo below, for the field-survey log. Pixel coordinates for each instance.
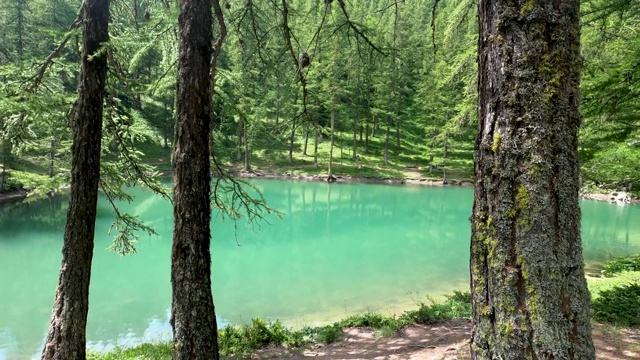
(530, 101)
(386, 87)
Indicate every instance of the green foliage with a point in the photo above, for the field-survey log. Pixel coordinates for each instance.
(627, 263)
(600, 284)
(456, 306)
(161, 351)
(326, 334)
(243, 340)
(619, 305)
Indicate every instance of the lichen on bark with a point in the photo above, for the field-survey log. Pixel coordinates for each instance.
(529, 293)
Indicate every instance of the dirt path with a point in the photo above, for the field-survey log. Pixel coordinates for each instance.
(448, 341)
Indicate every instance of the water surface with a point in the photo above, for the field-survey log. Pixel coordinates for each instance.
(340, 249)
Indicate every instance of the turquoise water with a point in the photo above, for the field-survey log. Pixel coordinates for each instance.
(339, 249)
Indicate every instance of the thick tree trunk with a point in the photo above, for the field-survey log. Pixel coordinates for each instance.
(66, 336)
(530, 299)
(193, 316)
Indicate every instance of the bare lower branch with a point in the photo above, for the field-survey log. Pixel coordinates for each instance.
(356, 30)
(54, 54)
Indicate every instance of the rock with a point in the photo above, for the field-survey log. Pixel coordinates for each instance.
(620, 197)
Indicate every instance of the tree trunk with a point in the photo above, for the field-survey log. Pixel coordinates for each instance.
(192, 312)
(52, 155)
(247, 149)
(240, 138)
(66, 338)
(20, 9)
(315, 143)
(292, 139)
(366, 135)
(386, 142)
(306, 138)
(333, 124)
(356, 120)
(530, 298)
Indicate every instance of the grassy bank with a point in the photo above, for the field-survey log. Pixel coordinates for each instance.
(610, 307)
(242, 341)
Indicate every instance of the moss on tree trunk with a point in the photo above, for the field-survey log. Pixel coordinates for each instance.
(530, 296)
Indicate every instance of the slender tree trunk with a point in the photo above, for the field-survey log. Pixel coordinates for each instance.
(374, 126)
(240, 137)
(292, 140)
(20, 9)
(356, 120)
(398, 144)
(277, 104)
(306, 139)
(530, 298)
(315, 143)
(52, 156)
(193, 315)
(366, 139)
(247, 149)
(386, 142)
(66, 338)
(333, 122)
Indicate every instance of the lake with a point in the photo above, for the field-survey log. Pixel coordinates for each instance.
(339, 249)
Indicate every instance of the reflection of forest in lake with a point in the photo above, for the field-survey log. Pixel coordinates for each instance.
(339, 249)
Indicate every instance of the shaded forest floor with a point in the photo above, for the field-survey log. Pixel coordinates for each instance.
(445, 341)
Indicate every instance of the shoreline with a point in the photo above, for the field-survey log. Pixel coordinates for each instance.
(21, 194)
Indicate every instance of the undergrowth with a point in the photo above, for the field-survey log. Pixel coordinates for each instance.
(615, 301)
(242, 340)
(619, 265)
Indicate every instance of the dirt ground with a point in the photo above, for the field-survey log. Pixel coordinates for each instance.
(448, 341)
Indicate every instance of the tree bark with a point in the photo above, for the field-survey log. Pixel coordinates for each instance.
(192, 312)
(330, 177)
(530, 298)
(247, 149)
(316, 128)
(66, 338)
(20, 9)
(356, 120)
(292, 139)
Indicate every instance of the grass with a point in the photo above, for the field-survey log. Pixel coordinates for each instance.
(600, 284)
(147, 351)
(403, 163)
(241, 341)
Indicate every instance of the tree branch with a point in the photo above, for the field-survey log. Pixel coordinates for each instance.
(356, 30)
(55, 53)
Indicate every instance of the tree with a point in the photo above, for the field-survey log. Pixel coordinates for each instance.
(192, 312)
(530, 298)
(66, 337)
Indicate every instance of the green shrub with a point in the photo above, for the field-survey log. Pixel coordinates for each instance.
(326, 334)
(243, 340)
(619, 305)
(143, 351)
(615, 266)
(457, 306)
